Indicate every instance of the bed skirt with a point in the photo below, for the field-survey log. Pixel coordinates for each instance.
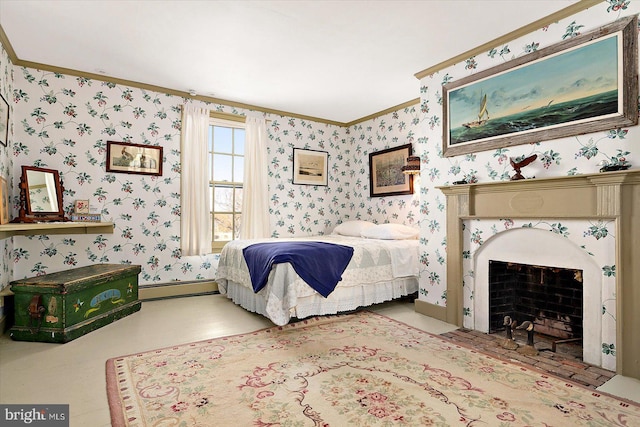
(341, 300)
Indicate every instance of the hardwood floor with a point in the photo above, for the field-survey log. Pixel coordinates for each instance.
(74, 373)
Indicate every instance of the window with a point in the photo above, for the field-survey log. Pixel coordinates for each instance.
(226, 171)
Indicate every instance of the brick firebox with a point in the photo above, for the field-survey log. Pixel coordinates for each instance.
(603, 196)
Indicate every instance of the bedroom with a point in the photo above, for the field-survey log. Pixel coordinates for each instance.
(292, 204)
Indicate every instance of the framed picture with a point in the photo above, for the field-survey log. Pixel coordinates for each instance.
(385, 172)
(134, 158)
(310, 167)
(584, 84)
(4, 201)
(4, 121)
(81, 207)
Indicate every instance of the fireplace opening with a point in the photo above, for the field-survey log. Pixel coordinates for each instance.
(549, 297)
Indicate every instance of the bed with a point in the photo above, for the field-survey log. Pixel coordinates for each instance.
(380, 269)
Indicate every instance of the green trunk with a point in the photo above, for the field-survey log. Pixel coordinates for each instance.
(62, 306)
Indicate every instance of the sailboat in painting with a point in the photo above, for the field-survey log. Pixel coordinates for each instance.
(483, 115)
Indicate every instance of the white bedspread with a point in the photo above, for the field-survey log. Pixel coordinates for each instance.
(379, 270)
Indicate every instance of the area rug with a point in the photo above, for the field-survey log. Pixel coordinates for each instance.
(361, 369)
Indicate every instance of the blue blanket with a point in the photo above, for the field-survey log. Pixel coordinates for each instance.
(319, 264)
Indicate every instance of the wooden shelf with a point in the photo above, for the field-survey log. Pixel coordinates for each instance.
(67, 227)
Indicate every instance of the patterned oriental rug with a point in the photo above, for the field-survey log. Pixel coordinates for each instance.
(360, 369)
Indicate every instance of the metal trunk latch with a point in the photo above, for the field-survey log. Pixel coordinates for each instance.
(36, 311)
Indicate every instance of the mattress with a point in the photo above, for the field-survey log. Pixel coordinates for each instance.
(380, 270)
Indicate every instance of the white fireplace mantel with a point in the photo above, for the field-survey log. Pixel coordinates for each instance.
(603, 196)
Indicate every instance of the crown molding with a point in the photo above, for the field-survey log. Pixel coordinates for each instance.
(160, 89)
(383, 112)
(567, 11)
(520, 32)
(7, 45)
(68, 71)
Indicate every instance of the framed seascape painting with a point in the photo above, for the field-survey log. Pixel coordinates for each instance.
(134, 158)
(310, 167)
(385, 172)
(584, 84)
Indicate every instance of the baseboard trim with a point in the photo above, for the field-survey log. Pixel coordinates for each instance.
(145, 293)
(436, 311)
(178, 289)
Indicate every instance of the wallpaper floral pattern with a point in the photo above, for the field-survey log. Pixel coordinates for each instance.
(63, 122)
(6, 245)
(568, 156)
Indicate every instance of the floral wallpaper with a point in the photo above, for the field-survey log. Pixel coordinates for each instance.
(63, 122)
(567, 156)
(311, 210)
(6, 245)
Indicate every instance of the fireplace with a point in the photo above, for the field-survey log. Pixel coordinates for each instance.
(612, 197)
(549, 297)
(540, 253)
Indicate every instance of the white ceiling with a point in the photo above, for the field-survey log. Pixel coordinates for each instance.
(334, 60)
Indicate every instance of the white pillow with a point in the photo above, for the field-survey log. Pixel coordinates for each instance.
(353, 228)
(391, 232)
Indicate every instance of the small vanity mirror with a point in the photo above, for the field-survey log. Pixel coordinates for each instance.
(40, 195)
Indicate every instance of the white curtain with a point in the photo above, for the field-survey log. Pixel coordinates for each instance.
(195, 220)
(255, 202)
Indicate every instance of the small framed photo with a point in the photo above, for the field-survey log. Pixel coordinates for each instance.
(4, 201)
(134, 158)
(310, 167)
(81, 207)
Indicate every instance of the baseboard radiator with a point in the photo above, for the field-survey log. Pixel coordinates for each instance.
(177, 290)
